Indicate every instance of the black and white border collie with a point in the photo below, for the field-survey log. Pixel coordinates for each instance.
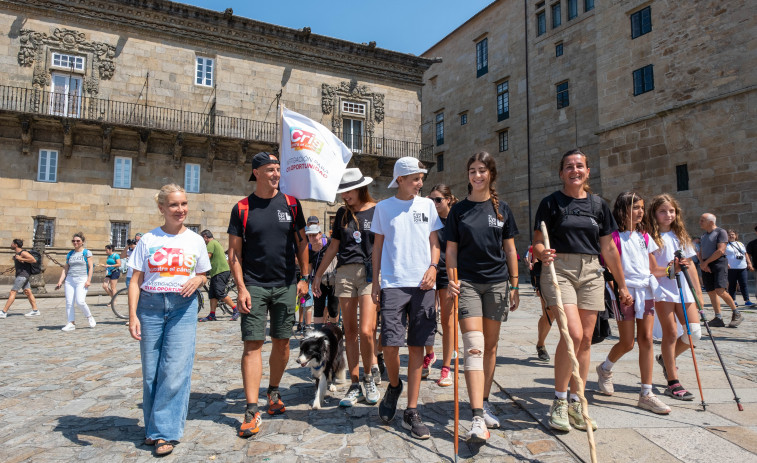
(323, 351)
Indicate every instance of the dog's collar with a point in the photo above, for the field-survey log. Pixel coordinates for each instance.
(321, 365)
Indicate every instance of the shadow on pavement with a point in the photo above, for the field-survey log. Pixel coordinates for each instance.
(111, 428)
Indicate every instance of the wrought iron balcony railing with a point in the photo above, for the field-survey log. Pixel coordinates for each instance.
(107, 111)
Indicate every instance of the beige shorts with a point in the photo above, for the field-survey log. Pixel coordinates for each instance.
(350, 281)
(580, 279)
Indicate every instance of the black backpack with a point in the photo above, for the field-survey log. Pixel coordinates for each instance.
(35, 268)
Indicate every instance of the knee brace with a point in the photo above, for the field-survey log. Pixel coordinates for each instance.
(473, 343)
(696, 334)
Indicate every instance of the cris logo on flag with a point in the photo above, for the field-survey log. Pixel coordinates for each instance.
(304, 140)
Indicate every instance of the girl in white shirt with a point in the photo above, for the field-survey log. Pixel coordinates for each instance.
(635, 320)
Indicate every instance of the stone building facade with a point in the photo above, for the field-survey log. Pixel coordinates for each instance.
(657, 94)
(102, 102)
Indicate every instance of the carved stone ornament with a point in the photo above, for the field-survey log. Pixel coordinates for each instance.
(27, 133)
(32, 53)
(333, 95)
(178, 150)
(68, 138)
(144, 137)
(107, 142)
(212, 153)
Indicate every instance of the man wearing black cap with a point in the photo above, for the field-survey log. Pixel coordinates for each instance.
(265, 237)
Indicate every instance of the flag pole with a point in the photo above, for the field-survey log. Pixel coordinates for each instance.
(279, 135)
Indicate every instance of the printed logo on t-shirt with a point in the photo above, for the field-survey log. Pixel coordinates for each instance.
(171, 262)
(494, 222)
(420, 217)
(284, 216)
(366, 224)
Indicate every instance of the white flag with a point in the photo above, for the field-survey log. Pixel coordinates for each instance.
(312, 158)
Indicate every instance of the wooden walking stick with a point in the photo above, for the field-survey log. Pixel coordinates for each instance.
(562, 322)
(455, 341)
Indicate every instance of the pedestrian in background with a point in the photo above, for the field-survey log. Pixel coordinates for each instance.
(739, 266)
(715, 270)
(112, 270)
(751, 249)
(169, 265)
(77, 276)
(318, 245)
(220, 273)
(22, 261)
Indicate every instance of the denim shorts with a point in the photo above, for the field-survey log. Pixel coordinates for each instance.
(21, 283)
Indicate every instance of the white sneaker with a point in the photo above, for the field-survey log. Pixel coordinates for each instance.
(489, 417)
(92, 321)
(3, 314)
(69, 327)
(478, 431)
(653, 404)
(33, 313)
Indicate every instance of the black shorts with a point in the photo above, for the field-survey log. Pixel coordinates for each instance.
(717, 277)
(217, 285)
(328, 297)
(114, 275)
(408, 309)
(442, 280)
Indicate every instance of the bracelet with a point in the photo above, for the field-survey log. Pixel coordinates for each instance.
(514, 288)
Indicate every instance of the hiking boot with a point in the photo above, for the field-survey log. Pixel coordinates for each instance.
(489, 417)
(445, 379)
(388, 405)
(210, 318)
(411, 420)
(92, 322)
(576, 418)
(428, 359)
(372, 395)
(653, 404)
(716, 323)
(736, 320)
(558, 415)
(541, 352)
(69, 327)
(376, 373)
(354, 395)
(677, 392)
(33, 313)
(251, 424)
(478, 431)
(604, 381)
(275, 405)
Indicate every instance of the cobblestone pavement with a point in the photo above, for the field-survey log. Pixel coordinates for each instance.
(77, 396)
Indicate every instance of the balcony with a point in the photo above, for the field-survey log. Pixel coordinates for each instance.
(143, 116)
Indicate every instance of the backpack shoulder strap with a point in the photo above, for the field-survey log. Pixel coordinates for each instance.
(646, 239)
(292, 204)
(243, 209)
(84, 253)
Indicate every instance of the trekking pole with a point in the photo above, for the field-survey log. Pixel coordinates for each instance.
(562, 322)
(455, 341)
(691, 344)
(685, 268)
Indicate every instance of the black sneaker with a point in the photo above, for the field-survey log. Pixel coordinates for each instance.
(716, 323)
(411, 420)
(388, 405)
(542, 353)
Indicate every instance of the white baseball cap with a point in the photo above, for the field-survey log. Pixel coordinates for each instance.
(313, 229)
(406, 166)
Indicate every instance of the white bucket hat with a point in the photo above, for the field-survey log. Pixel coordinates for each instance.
(406, 166)
(353, 179)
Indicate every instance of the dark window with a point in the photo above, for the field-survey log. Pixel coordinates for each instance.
(682, 177)
(48, 225)
(572, 9)
(119, 232)
(643, 80)
(556, 15)
(541, 23)
(558, 49)
(563, 100)
(641, 22)
(463, 119)
(439, 129)
(440, 162)
(588, 5)
(482, 58)
(503, 101)
(504, 140)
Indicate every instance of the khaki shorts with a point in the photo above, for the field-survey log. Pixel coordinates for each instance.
(488, 300)
(580, 279)
(350, 281)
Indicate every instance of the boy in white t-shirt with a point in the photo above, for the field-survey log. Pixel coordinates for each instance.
(405, 258)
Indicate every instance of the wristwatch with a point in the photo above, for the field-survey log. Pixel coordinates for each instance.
(436, 266)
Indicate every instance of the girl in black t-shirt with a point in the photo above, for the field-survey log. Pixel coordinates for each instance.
(480, 233)
(443, 200)
(580, 226)
(353, 240)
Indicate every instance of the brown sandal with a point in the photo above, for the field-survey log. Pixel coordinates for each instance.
(163, 447)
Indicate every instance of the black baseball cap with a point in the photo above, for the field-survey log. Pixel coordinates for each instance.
(260, 160)
(313, 219)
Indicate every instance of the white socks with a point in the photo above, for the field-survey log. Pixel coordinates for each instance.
(607, 364)
(646, 389)
(561, 395)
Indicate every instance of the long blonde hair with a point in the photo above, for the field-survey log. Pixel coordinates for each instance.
(677, 226)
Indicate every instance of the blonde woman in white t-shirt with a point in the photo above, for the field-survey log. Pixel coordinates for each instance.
(635, 320)
(169, 265)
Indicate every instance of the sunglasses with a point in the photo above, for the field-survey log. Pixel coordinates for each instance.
(76, 241)
(438, 199)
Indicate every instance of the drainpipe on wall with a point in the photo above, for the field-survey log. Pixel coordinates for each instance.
(528, 123)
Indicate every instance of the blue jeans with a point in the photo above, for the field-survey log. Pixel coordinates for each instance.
(169, 323)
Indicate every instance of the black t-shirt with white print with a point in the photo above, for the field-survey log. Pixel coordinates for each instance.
(479, 234)
(269, 249)
(575, 225)
(355, 239)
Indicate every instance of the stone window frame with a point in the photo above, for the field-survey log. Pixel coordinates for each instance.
(641, 22)
(562, 92)
(588, 5)
(541, 23)
(49, 226)
(200, 79)
(192, 185)
(503, 140)
(503, 99)
(482, 55)
(572, 8)
(123, 182)
(559, 49)
(119, 233)
(332, 97)
(47, 177)
(556, 12)
(643, 80)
